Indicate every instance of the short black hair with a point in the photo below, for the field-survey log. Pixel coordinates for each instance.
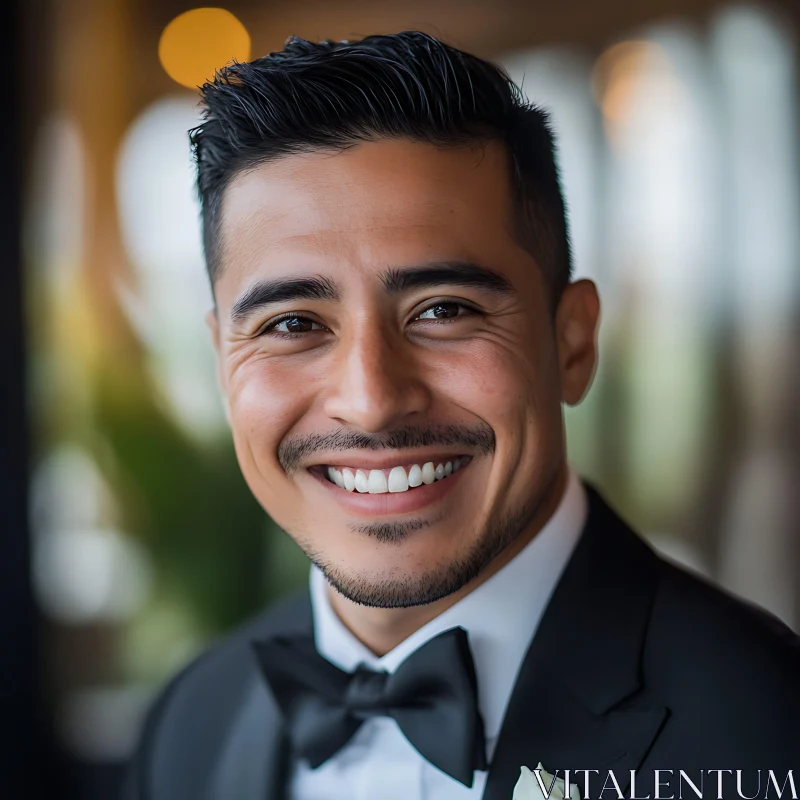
(330, 95)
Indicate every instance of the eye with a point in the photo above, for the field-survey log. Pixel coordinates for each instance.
(444, 311)
(291, 325)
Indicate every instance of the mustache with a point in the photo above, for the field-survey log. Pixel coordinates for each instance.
(294, 450)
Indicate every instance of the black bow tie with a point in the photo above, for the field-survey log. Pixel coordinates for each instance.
(431, 696)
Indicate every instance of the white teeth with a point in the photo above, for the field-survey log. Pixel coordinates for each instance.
(377, 482)
(398, 481)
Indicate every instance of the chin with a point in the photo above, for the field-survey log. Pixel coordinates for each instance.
(401, 574)
(395, 591)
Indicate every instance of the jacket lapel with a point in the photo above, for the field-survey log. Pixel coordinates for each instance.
(254, 765)
(574, 703)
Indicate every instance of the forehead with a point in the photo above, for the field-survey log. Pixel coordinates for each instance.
(372, 205)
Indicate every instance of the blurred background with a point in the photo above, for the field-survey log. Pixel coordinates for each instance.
(131, 540)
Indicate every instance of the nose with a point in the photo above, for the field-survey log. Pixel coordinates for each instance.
(374, 381)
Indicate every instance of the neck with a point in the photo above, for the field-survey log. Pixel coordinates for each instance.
(382, 629)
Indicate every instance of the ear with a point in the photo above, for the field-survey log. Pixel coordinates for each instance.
(213, 326)
(577, 319)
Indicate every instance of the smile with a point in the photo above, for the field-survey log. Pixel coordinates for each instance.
(395, 479)
(386, 490)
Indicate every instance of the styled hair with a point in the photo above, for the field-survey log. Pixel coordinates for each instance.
(331, 95)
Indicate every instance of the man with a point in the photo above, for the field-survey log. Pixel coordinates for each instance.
(397, 330)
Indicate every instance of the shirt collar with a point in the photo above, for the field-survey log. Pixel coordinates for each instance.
(500, 616)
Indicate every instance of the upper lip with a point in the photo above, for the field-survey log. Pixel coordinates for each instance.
(384, 461)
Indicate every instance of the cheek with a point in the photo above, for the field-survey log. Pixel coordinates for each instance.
(515, 391)
(502, 384)
(265, 401)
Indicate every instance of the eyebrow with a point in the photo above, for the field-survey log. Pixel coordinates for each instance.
(446, 273)
(395, 281)
(280, 290)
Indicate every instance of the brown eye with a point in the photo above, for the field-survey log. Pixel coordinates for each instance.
(289, 326)
(442, 311)
(298, 325)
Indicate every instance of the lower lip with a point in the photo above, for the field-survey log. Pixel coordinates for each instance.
(378, 505)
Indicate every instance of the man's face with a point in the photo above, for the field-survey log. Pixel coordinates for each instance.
(375, 315)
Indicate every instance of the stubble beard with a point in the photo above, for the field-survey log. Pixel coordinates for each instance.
(437, 582)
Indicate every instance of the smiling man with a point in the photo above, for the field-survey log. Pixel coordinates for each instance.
(397, 332)
(393, 380)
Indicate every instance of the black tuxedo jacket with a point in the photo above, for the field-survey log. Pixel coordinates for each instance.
(636, 665)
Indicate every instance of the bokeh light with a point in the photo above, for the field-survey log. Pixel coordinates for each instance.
(199, 42)
(159, 216)
(617, 75)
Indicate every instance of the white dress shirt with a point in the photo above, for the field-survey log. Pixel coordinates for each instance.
(500, 616)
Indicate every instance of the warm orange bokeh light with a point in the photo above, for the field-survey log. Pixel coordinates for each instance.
(199, 42)
(616, 72)
(622, 73)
